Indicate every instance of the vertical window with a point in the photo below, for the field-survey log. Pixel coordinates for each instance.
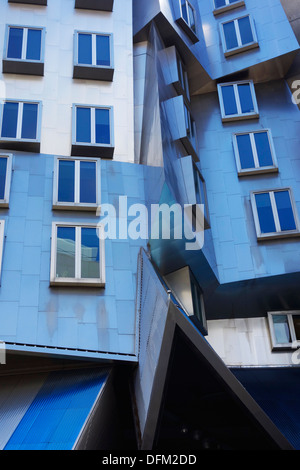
(285, 329)
(201, 197)
(254, 152)
(188, 14)
(77, 255)
(237, 101)
(2, 224)
(20, 120)
(5, 179)
(94, 49)
(76, 184)
(275, 213)
(183, 77)
(93, 125)
(24, 43)
(238, 35)
(190, 126)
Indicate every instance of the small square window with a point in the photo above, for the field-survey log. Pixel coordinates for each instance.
(77, 255)
(254, 152)
(93, 131)
(76, 184)
(24, 50)
(238, 35)
(93, 56)
(5, 178)
(237, 101)
(284, 329)
(222, 6)
(20, 125)
(275, 214)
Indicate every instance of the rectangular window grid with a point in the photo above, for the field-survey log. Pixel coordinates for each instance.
(254, 152)
(237, 101)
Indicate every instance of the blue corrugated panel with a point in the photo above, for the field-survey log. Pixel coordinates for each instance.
(59, 411)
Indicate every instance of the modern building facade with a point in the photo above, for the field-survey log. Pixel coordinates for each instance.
(115, 336)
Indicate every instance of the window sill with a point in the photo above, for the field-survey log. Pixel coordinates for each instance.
(91, 150)
(75, 207)
(23, 67)
(258, 171)
(4, 204)
(190, 33)
(238, 50)
(66, 282)
(30, 2)
(21, 145)
(240, 117)
(279, 235)
(86, 72)
(227, 8)
(103, 5)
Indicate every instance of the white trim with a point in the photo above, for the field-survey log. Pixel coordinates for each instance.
(94, 35)
(24, 43)
(239, 115)
(294, 343)
(77, 280)
(240, 47)
(5, 201)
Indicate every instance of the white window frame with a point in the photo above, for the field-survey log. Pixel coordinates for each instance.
(241, 47)
(20, 121)
(239, 116)
(5, 201)
(188, 4)
(257, 169)
(94, 49)
(76, 205)
(279, 233)
(294, 344)
(93, 125)
(2, 235)
(227, 7)
(24, 43)
(88, 282)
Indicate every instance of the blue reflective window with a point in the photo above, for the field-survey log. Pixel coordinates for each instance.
(245, 30)
(102, 124)
(223, 3)
(246, 99)
(29, 121)
(245, 151)
(285, 211)
(66, 181)
(34, 41)
(83, 125)
(230, 35)
(88, 182)
(15, 42)
(3, 169)
(281, 329)
(229, 102)
(90, 254)
(103, 50)
(65, 256)
(85, 49)
(265, 213)
(263, 149)
(10, 120)
(184, 10)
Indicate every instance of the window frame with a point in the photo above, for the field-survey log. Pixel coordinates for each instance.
(5, 201)
(76, 205)
(279, 233)
(92, 149)
(294, 343)
(257, 169)
(77, 280)
(182, 77)
(239, 116)
(241, 47)
(188, 4)
(227, 7)
(93, 71)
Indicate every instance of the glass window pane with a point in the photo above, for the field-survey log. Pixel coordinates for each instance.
(296, 321)
(66, 181)
(34, 41)
(246, 98)
(88, 182)
(102, 126)
(265, 213)
(83, 125)
(192, 22)
(281, 329)
(3, 167)
(29, 121)
(184, 10)
(230, 35)
(90, 255)
(65, 256)
(219, 3)
(245, 30)
(285, 211)
(15, 41)
(245, 151)
(85, 49)
(103, 50)
(233, 1)
(10, 120)
(263, 148)
(229, 100)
